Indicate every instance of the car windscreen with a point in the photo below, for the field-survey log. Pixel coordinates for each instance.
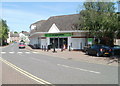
(117, 47)
(105, 46)
(98, 46)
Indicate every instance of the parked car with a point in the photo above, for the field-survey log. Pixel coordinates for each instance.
(86, 47)
(116, 50)
(21, 45)
(99, 50)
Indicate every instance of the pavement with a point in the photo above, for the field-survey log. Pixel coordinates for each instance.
(77, 56)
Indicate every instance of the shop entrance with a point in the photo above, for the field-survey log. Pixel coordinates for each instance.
(59, 42)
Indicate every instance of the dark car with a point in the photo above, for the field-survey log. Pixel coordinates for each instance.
(99, 50)
(86, 47)
(21, 45)
(116, 50)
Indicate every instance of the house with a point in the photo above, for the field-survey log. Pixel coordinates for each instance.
(24, 36)
(59, 31)
(13, 37)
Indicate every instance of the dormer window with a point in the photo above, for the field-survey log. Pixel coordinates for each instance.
(33, 27)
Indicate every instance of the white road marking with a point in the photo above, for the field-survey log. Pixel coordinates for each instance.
(19, 52)
(39, 60)
(11, 52)
(41, 81)
(35, 52)
(79, 69)
(27, 52)
(3, 52)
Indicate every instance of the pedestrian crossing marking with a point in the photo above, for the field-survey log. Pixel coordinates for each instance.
(11, 52)
(27, 52)
(20, 52)
(35, 52)
(3, 52)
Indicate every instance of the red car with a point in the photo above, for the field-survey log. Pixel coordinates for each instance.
(21, 45)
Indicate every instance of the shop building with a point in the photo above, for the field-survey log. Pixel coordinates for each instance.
(60, 31)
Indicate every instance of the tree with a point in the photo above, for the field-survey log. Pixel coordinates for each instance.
(15, 32)
(101, 20)
(3, 31)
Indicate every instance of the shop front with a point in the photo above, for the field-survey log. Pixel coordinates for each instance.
(59, 32)
(74, 40)
(60, 40)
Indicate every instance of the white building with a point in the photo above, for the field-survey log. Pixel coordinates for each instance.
(24, 36)
(12, 37)
(61, 30)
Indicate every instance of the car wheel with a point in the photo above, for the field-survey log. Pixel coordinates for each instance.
(98, 54)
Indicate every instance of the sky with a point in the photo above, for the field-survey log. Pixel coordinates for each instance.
(20, 15)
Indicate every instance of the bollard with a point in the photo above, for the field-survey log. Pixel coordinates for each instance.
(69, 48)
(47, 48)
(42, 47)
(54, 46)
(61, 48)
(54, 49)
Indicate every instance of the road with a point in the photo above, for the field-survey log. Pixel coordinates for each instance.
(52, 70)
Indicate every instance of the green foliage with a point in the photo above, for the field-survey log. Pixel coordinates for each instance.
(3, 31)
(101, 20)
(15, 32)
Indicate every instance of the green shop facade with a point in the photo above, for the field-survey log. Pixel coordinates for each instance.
(74, 40)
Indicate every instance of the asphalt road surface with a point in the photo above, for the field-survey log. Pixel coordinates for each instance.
(52, 70)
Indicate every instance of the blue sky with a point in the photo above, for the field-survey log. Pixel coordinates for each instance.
(20, 15)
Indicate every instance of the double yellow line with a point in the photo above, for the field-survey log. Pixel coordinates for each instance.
(40, 81)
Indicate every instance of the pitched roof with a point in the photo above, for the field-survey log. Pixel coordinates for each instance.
(64, 23)
(38, 25)
(25, 33)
